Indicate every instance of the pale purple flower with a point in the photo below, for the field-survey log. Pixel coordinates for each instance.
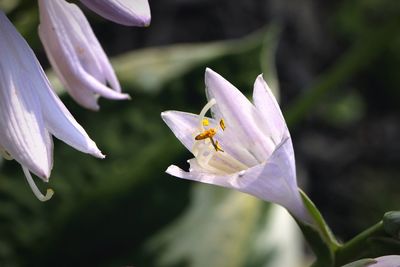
(30, 112)
(384, 261)
(387, 261)
(125, 12)
(243, 146)
(76, 55)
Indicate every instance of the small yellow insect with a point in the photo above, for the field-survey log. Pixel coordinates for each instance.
(206, 134)
(210, 133)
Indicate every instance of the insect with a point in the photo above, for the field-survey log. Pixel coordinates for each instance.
(210, 133)
(206, 134)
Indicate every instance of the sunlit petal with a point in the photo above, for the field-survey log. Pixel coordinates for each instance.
(269, 110)
(76, 55)
(22, 128)
(249, 150)
(126, 12)
(30, 111)
(384, 261)
(239, 113)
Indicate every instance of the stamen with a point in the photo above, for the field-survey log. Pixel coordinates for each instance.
(219, 163)
(203, 112)
(222, 124)
(35, 190)
(216, 145)
(203, 156)
(207, 148)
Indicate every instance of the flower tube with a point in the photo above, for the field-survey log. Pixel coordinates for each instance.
(30, 112)
(125, 12)
(76, 55)
(245, 146)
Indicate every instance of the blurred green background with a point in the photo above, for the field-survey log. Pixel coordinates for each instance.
(335, 66)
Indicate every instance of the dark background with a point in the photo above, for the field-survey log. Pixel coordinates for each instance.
(338, 68)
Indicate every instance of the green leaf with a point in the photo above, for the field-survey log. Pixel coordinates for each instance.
(267, 58)
(222, 227)
(150, 69)
(8, 5)
(214, 232)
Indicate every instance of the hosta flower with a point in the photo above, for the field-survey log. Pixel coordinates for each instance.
(76, 55)
(243, 146)
(387, 261)
(384, 261)
(126, 12)
(30, 112)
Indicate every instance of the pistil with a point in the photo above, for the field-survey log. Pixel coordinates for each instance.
(35, 190)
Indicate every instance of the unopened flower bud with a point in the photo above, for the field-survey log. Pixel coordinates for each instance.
(391, 223)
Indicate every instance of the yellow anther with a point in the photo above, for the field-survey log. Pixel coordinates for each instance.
(216, 145)
(222, 124)
(205, 122)
(206, 134)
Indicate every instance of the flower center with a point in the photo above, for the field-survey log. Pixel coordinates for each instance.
(209, 153)
(209, 134)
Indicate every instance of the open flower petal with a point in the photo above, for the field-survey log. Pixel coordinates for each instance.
(240, 147)
(62, 124)
(269, 109)
(387, 261)
(22, 128)
(182, 124)
(125, 12)
(30, 111)
(384, 261)
(185, 127)
(271, 181)
(239, 113)
(76, 55)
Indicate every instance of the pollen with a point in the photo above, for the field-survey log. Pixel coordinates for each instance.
(205, 122)
(206, 134)
(222, 124)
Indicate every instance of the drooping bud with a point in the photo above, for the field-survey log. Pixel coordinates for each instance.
(391, 223)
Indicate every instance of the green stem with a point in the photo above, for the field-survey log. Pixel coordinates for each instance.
(318, 235)
(320, 223)
(356, 248)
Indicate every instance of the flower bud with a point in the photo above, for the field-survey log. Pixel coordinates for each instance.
(391, 223)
